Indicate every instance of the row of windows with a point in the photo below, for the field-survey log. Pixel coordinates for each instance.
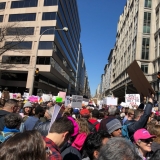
(16, 59)
(24, 3)
(31, 16)
(18, 45)
(20, 31)
(2, 5)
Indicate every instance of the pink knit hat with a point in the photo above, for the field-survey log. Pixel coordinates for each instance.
(76, 127)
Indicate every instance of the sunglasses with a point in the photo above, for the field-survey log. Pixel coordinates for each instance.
(147, 140)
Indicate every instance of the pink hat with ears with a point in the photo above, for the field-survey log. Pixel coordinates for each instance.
(75, 125)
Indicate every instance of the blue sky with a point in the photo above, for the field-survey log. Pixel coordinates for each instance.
(98, 20)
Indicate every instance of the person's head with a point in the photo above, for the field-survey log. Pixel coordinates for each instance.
(101, 114)
(143, 139)
(118, 148)
(11, 106)
(95, 114)
(131, 113)
(94, 142)
(137, 114)
(151, 124)
(50, 104)
(114, 128)
(39, 111)
(61, 130)
(48, 113)
(27, 108)
(112, 110)
(155, 130)
(156, 155)
(123, 110)
(27, 145)
(85, 113)
(12, 121)
(83, 126)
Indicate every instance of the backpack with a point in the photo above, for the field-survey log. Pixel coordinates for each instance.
(125, 132)
(4, 136)
(92, 127)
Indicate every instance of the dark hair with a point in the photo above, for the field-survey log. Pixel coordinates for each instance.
(94, 142)
(95, 113)
(28, 145)
(12, 120)
(10, 102)
(101, 114)
(156, 155)
(137, 113)
(62, 125)
(39, 109)
(118, 148)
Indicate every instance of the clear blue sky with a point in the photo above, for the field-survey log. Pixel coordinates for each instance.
(98, 20)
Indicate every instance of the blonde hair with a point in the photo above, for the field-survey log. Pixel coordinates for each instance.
(155, 130)
(83, 125)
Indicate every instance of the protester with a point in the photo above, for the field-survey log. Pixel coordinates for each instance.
(112, 114)
(143, 140)
(60, 132)
(114, 128)
(129, 117)
(24, 146)
(32, 120)
(27, 111)
(118, 148)
(93, 144)
(9, 107)
(156, 155)
(12, 123)
(43, 127)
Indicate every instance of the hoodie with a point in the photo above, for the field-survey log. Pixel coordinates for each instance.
(3, 113)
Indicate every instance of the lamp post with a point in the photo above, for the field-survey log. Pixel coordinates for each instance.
(34, 68)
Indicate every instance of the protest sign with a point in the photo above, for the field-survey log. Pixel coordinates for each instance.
(67, 100)
(26, 95)
(0, 94)
(132, 99)
(76, 101)
(46, 98)
(105, 100)
(62, 94)
(112, 101)
(54, 115)
(33, 99)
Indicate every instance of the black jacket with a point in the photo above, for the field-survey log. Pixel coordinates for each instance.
(43, 127)
(141, 123)
(3, 113)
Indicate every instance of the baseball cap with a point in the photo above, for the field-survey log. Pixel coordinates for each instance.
(84, 112)
(142, 134)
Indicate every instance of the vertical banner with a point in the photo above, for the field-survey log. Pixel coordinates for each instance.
(76, 101)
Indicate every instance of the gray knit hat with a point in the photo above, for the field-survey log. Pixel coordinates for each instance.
(113, 125)
(27, 104)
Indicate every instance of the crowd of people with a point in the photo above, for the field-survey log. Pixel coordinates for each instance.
(88, 133)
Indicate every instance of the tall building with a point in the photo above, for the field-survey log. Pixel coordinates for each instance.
(135, 40)
(57, 56)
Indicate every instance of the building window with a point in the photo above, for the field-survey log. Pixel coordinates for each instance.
(22, 17)
(18, 45)
(2, 5)
(24, 4)
(45, 45)
(1, 18)
(145, 48)
(16, 59)
(148, 3)
(147, 22)
(49, 16)
(20, 31)
(144, 68)
(43, 60)
(50, 2)
(51, 31)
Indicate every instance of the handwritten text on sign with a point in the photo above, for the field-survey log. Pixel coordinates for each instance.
(133, 99)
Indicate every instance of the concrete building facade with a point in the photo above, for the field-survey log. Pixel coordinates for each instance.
(57, 56)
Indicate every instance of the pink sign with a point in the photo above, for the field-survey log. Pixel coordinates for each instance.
(63, 95)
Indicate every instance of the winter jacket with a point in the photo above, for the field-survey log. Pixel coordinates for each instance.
(155, 146)
(3, 113)
(141, 123)
(43, 127)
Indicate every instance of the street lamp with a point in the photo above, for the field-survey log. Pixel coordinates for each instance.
(65, 29)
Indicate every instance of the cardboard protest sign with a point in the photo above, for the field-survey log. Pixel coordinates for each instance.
(112, 101)
(67, 100)
(139, 80)
(76, 101)
(62, 94)
(54, 115)
(132, 99)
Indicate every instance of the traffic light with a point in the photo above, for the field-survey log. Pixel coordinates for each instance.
(36, 71)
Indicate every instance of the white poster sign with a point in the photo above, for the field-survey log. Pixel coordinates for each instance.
(0, 94)
(76, 101)
(104, 100)
(54, 115)
(67, 100)
(46, 97)
(26, 95)
(112, 101)
(132, 99)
